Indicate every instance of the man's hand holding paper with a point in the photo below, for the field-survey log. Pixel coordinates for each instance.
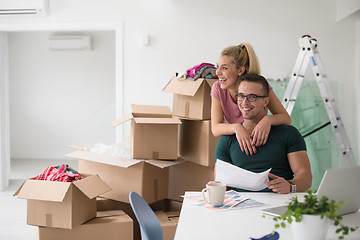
(237, 177)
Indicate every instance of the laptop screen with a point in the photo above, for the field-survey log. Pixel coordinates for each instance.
(340, 184)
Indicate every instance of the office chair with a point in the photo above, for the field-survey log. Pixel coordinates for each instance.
(149, 224)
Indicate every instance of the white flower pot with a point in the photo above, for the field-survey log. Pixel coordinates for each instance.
(311, 227)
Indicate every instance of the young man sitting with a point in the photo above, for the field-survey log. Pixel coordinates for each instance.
(284, 151)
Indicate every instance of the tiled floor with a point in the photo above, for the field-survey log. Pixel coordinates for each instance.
(13, 210)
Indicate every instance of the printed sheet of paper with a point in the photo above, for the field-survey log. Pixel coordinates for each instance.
(237, 177)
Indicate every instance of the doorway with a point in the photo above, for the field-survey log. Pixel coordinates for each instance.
(11, 30)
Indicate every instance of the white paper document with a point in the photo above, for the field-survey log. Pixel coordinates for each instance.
(237, 177)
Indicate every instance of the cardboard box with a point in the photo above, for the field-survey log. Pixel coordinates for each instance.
(191, 98)
(188, 176)
(168, 222)
(154, 132)
(109, 225)
(149, 178)
(106, 204)
(169, 208)
(165, 205)
(61, 204)
(197, 143)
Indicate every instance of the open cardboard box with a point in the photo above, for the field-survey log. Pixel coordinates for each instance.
(154, 132)
(188, 176)
(168, 222)
(109, 225)
(61, 204)
(191, 98)
(169, 211)
(197, 143)
(149, 178)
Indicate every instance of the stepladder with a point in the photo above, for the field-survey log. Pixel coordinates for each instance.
(309, 54)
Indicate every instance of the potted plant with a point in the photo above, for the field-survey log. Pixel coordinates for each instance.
(309, 219)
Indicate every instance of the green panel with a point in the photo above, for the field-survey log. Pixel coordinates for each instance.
(309, 113)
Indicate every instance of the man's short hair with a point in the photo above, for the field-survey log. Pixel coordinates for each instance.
(256, 79)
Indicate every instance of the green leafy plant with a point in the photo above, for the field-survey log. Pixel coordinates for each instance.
(314, 206)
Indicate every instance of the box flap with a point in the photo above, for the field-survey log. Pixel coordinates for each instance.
(109, 213)
(151, 111)
(211, 81)
(157, 120)
(79, 146)
(17, 191)
(122, 119)
(164, 163)
(164, 219)
(92, 186)
(183, 87)
(102, 158)
(120, 162)
(172, 214)
(44, 190)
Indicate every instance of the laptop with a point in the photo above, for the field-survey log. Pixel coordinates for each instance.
(340, 184)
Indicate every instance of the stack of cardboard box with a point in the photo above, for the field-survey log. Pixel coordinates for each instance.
(171, 152)
(187, 146)
(68, 210)
(192, 104)
(167, 211)
(154, 138)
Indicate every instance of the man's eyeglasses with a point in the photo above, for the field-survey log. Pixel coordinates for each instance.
(251, 97)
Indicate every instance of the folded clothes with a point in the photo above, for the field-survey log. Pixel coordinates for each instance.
(201, 70)
(62, 173)
(192, 71)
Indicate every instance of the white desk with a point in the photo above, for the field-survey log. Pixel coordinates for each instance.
(201, 223)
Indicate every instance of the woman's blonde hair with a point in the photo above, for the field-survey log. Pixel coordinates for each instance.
(243, 56)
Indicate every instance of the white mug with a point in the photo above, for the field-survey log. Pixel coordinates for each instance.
(216, 193)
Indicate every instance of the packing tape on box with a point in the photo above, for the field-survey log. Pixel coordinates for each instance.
(48, 218)
(156, 189)
(187, 109)
(155, 155)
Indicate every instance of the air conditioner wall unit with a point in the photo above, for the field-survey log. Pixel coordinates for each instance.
(70, 42)
(20, 7)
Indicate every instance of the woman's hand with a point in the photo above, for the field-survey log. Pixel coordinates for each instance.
(261, 132)
(244, 139)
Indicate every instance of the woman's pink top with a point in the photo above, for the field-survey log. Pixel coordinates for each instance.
(230, 109)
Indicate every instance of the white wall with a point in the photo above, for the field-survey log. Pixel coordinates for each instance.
(59, 98)
(357, 84)
(346, 8)
(184, 33)
(4, 114)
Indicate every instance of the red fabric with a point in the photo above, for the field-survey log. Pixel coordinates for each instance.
(62, 173)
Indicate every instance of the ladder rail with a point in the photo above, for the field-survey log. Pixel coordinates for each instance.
(297, 77)
(297, 86)
(323, 84)
(300, 58)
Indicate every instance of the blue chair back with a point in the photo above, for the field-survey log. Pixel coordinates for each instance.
(149, 224)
